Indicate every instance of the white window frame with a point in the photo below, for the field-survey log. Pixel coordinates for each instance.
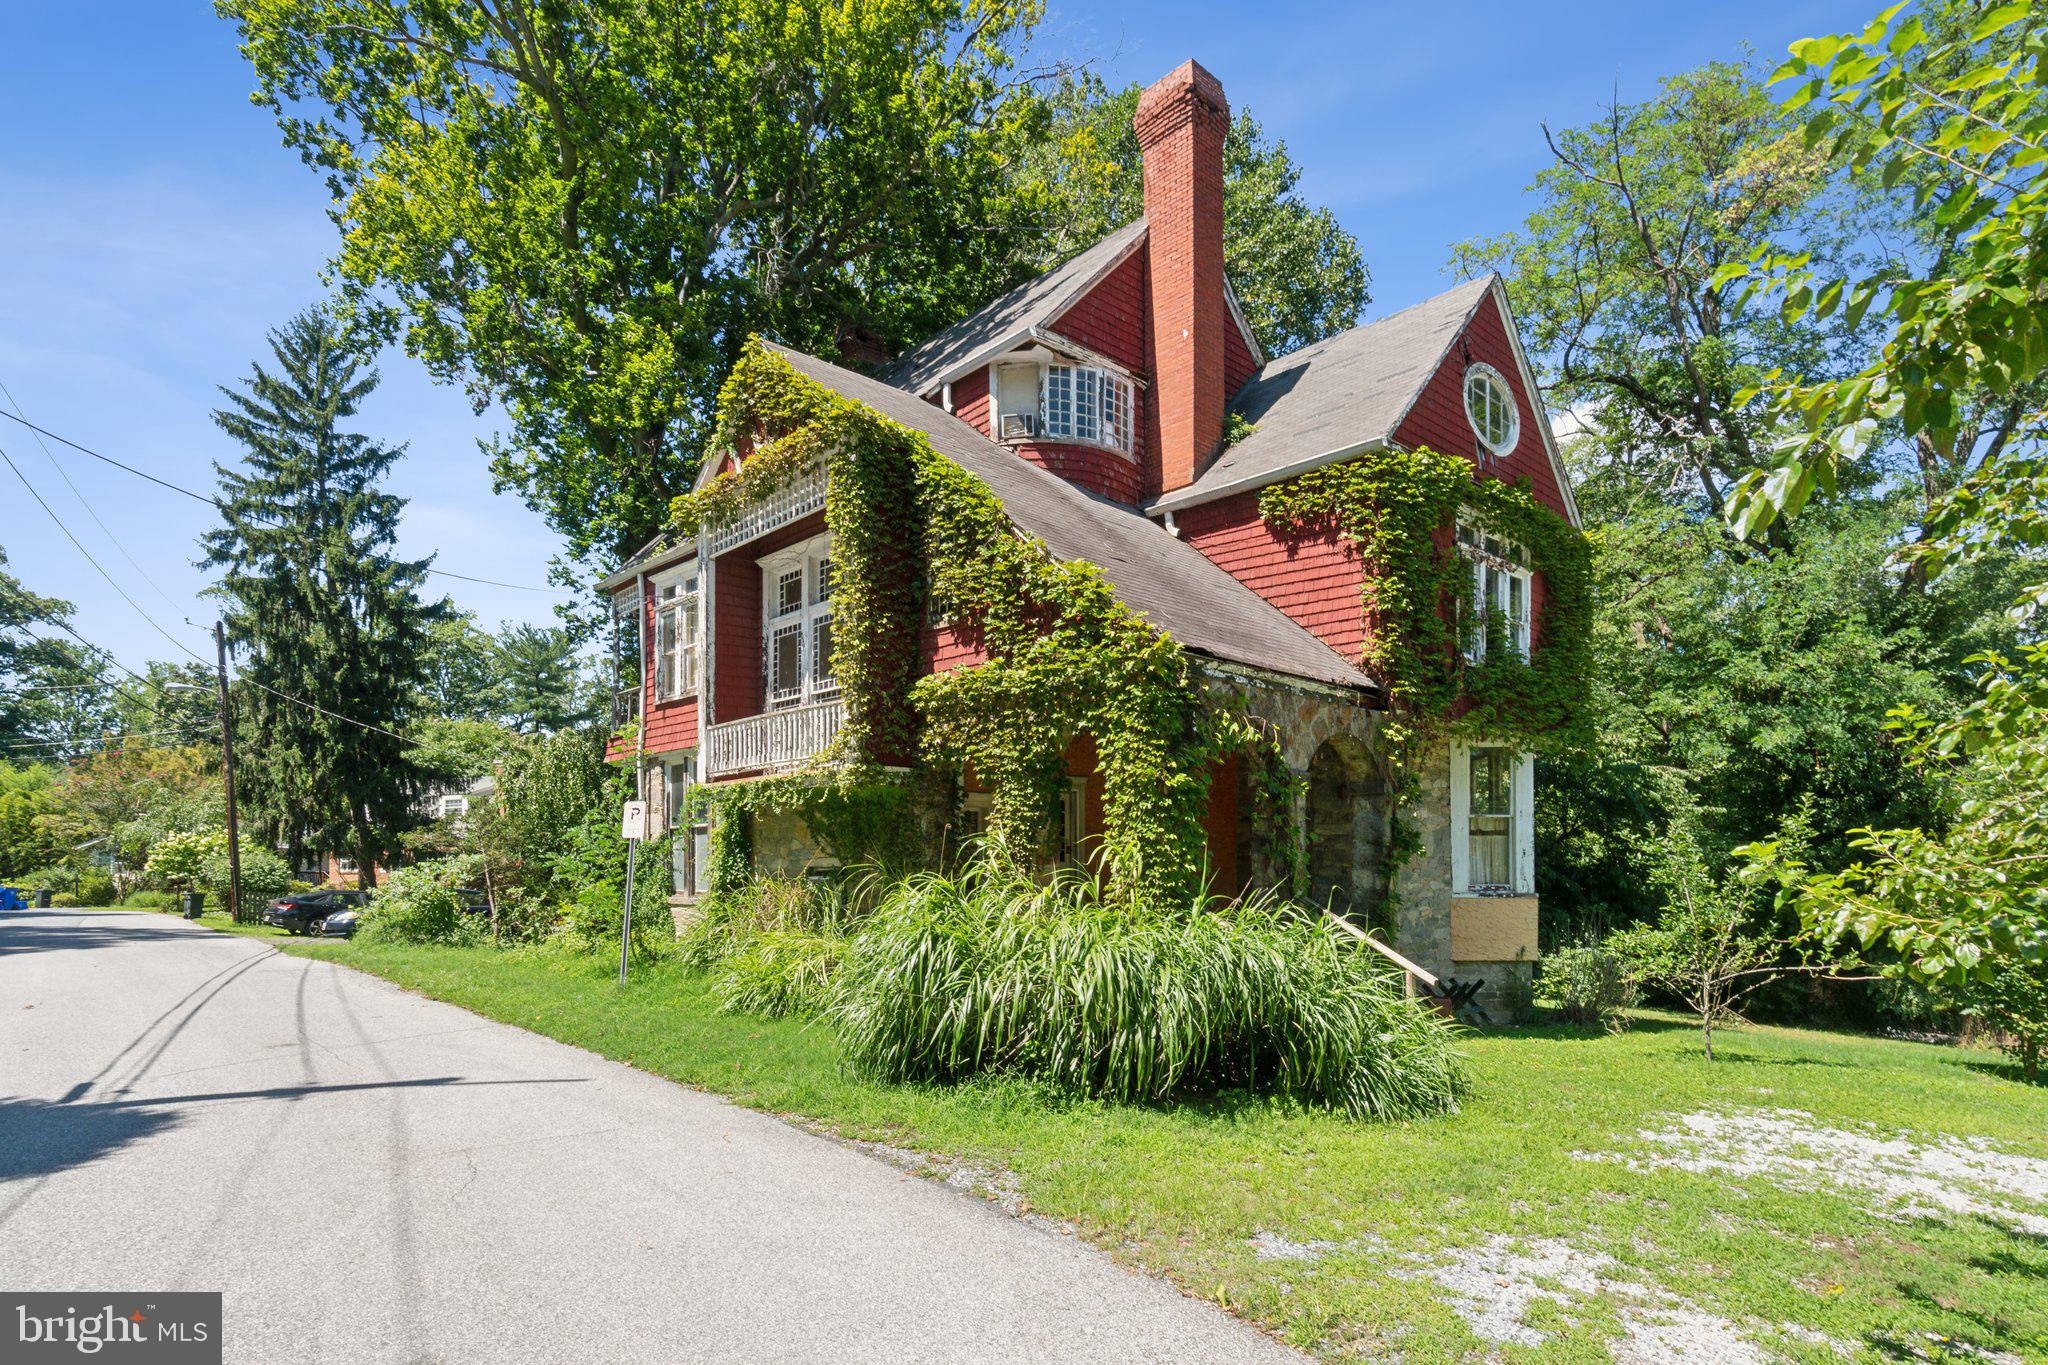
(1521, 823)
(1502, 582)
(1503, 401)
(677, 650)
(1085, 405)
(811, 565)
(451, 804)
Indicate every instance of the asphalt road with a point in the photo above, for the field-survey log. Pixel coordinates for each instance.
(370, 1176)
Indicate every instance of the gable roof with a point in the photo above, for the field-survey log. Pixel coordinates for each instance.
(1340, 396)
(1000, 325)
(1162, 578)
(1350, 393)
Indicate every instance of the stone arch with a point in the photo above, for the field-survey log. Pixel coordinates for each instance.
(1346, 824)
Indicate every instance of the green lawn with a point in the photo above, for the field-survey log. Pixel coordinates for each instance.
(1540, 1156)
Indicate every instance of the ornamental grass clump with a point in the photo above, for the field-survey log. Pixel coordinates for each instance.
(956, 976)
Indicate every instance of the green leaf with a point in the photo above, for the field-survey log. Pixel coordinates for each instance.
(2004, 16)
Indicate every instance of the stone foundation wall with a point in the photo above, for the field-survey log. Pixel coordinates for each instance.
(783, 847)
(1304, 722)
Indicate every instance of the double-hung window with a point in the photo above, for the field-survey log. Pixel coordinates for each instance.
(1084, 403)
(1500, 603)
(1493, 790)
(678, 633)
(796, 632)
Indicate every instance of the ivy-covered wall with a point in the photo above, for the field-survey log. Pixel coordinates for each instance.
(916, 537)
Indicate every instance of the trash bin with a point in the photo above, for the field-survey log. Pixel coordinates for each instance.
(42, 898)
(192, 903)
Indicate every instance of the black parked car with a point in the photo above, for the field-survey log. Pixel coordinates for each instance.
(340, 924)
(303, 913)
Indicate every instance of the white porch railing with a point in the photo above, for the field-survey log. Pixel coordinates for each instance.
(774, 739)
(800, 497)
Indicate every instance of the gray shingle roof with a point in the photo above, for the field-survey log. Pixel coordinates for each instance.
(1031, 304)
(1164, 579)
(1347, 392)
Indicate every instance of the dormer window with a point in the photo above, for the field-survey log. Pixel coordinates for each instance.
(1079, 404)
(1082, 403)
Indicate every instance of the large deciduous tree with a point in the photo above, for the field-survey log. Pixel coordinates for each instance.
(583, 210)
(1952, 102)
(1297, 273)
(1614, 277)
(53, 699)
(330, 620)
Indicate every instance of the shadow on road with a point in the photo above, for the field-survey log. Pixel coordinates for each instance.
(49, 931)
(41, 1137)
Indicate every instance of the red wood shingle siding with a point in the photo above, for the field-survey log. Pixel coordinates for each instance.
(970, 399)
(668, 725)
(1438, 418)
(1315, 579)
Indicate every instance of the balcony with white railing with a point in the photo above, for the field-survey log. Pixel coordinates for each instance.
(773, 740)
(801, 495)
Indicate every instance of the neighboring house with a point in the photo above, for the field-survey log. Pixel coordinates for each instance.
(441, 803)
(1095, 402)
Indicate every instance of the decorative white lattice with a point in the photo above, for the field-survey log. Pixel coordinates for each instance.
(799, 497)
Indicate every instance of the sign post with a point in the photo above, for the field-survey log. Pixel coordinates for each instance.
(634, 827)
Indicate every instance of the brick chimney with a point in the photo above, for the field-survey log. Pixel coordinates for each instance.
(1180, 122)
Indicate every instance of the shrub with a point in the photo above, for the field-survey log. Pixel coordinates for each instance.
(177, 858)
(781, 971)
(1588, 985)
(96, 888)
(730, 919)
(64, 900)
(421, 904)
(955, 976)
(57, 877)
(589, 921)
(148, 900)
(264, 874)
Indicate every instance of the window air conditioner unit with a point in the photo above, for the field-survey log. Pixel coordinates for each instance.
(1019, 426)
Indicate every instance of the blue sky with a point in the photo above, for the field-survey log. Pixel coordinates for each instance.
(152, 228)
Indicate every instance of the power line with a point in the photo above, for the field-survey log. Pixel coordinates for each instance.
(113, 539)
(215, 502)
(74, 744)
(52, 514)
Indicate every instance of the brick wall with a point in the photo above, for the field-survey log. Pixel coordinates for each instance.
(1180, 122)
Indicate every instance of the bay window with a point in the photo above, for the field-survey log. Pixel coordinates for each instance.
(1086, 404)
(796, 629)
(1083, 403)
(1500, 602)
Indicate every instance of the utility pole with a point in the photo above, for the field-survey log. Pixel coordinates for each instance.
(227, 750)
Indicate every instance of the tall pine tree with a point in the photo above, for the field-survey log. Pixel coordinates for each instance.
(324, 613)
(541, 679)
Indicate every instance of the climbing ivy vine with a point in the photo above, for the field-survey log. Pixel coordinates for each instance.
(1399, 507)
(916, 538)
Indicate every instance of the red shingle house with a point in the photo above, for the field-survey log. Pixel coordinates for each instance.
(1121, 411)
